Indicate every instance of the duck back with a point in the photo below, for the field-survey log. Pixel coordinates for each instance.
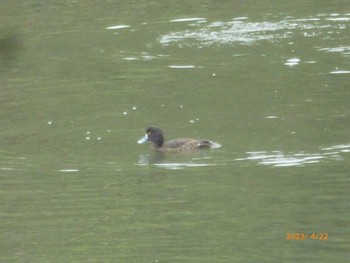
(185, 144)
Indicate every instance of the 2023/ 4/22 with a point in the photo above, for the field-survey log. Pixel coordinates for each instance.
(306, 236)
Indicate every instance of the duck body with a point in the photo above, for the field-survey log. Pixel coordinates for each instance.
(155, 135)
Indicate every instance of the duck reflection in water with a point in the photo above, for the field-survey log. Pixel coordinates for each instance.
(175, 161)
(152, 158)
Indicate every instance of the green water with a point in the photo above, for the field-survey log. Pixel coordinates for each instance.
(81, 81)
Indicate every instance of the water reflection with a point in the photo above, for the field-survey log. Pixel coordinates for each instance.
(241, 30)
(10, 45)
(118, 27)
(271, 158)
(340, 72)
(200, 19)
(278, 159)
(176, 161)
(281, 159)
(342, 50)
(292, 62)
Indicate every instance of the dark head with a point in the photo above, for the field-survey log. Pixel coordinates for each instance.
(154, 135)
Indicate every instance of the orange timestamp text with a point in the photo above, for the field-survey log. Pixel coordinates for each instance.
(306, 236)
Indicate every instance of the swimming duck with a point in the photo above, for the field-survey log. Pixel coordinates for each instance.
(155, 135)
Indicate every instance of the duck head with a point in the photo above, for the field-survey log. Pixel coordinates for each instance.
(154, 135)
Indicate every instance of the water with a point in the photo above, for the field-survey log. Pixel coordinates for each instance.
(81, 82)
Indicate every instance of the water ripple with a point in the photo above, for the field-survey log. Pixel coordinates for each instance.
(159, 160)
(280, 159)
(243, 31)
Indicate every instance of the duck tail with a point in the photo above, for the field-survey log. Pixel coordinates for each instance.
(208, 144)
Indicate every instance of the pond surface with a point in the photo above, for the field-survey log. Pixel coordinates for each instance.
(80, 83)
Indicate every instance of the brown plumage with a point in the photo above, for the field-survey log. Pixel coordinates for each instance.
(155, 135)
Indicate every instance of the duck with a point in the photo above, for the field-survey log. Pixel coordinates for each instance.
(155, 135)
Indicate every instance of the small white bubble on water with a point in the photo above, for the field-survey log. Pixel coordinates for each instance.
(125, 113)
(118, 27)
(292, 62)
(68, 170)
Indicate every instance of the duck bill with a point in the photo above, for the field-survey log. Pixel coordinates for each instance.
(143, 140)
